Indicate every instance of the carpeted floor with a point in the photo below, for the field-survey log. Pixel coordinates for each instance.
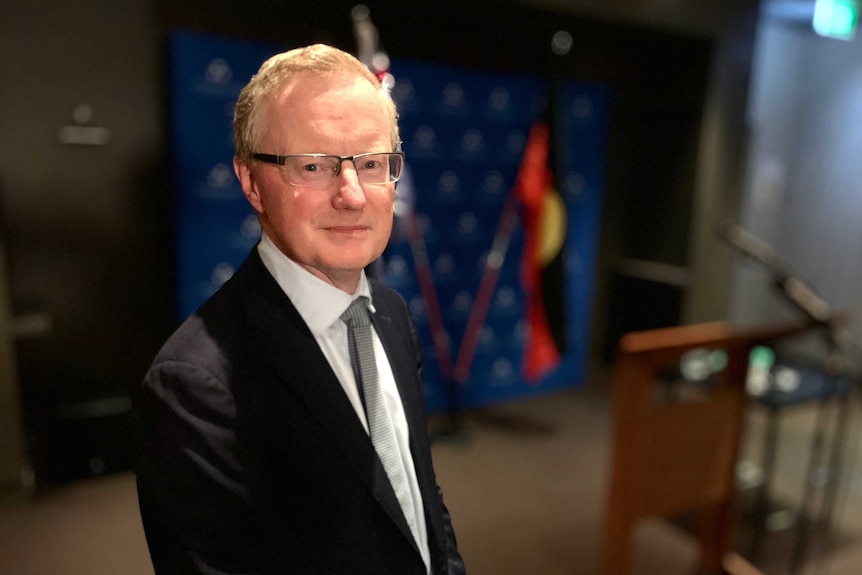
(525, 483)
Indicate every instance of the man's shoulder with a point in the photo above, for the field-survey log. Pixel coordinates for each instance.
(193, 343)
(209, 335)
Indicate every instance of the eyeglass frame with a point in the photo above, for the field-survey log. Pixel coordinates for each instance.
(280, 160)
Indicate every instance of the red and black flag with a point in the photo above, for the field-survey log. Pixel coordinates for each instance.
(543, 219)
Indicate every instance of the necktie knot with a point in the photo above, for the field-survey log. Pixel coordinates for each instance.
(356, 315)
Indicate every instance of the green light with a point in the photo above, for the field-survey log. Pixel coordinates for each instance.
(836, 18)
(761, 357)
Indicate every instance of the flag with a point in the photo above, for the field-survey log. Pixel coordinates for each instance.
(534, 189)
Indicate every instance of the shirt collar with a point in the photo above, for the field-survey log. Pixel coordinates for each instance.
(320, 304)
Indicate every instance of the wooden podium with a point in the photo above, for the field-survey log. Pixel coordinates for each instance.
(675, 456)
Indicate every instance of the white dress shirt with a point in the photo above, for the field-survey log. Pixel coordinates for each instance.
(321, 304)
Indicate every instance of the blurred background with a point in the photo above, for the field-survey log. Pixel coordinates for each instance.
(710, 111)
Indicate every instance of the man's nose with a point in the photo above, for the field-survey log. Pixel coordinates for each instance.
(350, 191)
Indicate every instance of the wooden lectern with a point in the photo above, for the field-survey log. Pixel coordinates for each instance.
(677, 456)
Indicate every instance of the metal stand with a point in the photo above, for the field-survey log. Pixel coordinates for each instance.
(839, 345)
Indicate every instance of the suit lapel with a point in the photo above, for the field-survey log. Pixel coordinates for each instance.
(289, 347)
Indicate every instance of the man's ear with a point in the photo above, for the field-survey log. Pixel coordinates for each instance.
(249, 184)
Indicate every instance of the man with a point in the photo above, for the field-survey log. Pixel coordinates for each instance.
(259, 453)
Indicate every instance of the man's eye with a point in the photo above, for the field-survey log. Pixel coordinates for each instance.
(370, 165)
(311, 168)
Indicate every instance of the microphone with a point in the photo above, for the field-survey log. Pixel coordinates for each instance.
(792, 288)
(750, 245)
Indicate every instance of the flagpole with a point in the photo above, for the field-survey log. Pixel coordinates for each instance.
(371, 53)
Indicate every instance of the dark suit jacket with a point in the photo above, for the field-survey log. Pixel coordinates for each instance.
(252, 460)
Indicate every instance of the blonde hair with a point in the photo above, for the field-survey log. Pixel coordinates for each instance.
(280, 70)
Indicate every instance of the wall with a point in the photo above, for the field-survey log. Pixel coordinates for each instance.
(722, 148)
(696, 17)
(84, 225)
(13, 458)
(803, 191)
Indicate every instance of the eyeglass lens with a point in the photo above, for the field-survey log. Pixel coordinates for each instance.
(380, 168)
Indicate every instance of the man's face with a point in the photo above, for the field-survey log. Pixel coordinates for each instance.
(333, 230)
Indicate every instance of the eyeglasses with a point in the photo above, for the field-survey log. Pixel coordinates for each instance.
(321, 169)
